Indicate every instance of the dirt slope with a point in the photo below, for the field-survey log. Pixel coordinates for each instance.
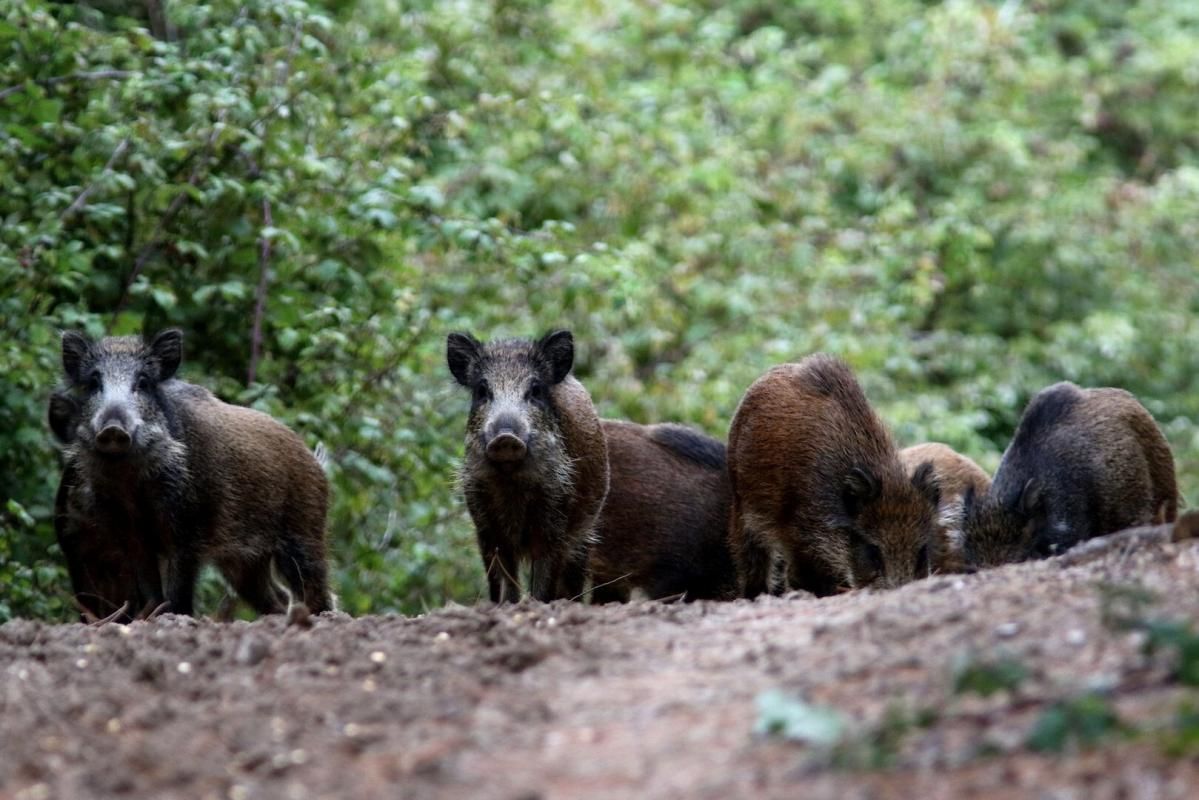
(568, 701)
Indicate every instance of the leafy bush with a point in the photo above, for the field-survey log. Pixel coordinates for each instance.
(966, 200)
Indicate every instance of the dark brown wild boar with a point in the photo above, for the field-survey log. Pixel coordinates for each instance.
(664, 526)
(160, 477)
(818, 485)
(536, 468)
(955, 474)
(1083, 463)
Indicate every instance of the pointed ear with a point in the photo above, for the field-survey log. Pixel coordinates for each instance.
(859, 489)
(76, 351)
(925, 481)
(557, 348)
(1032, 500)
(462, 352)
(167, 349)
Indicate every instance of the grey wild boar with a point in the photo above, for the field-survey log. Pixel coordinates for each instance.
(1083, 463)
(535, 472)
(956, 474)
(664, 525)
(161, 477)
(818, 485)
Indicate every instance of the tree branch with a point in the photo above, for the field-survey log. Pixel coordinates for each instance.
(81, 200)
(95, 75)
(264, 271)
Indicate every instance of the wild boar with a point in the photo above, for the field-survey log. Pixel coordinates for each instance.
(535, 472)
(955, 474)
(161, 472)
(817, 483)
(664, 525)
(1082, 463)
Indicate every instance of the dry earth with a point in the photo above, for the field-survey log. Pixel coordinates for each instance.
(647, 700)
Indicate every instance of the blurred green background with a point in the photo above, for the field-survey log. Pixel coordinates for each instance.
(966, 200)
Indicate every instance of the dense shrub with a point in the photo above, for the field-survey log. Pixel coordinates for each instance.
(967, 200)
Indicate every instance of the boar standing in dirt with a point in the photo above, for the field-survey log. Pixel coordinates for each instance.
(161, 477)
(817, 483)
(1083, 463)
(955, 474)
(664, 526)
(536, 468)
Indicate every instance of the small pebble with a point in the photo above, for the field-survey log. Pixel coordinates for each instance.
(1076, 636)
(184, 668)
(1007, 630)
(442, 637)
(378, 656)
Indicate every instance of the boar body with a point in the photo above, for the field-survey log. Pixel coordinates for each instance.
(817, 484)
(535, 472)
(1082, 463)
(664, 525)
(956, 475)
(161, 477)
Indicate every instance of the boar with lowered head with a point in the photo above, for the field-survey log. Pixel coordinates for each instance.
(956, 474)
(1083, 463)
(535, 472)
(818, 485)
(161, 477)
(664, 526)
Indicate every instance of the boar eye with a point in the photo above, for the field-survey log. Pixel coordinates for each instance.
(482, 392)
(93, 382)
(538, 392)
(143, 383)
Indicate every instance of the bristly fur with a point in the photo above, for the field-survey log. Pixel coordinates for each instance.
(663, 530)
(539, 508)
(1082, 463)
(817, 482)
(202, 481)
(691, 444)
(956, 475)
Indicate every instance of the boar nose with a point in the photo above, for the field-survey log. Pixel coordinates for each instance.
(113, 439)
(506, 446)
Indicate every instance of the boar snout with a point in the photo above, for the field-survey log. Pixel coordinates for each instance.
(506, 440)
(114, 440)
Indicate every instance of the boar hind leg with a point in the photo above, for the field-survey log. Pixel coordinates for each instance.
(306, 573)
(754, 560)
(572, 578)
(254, 584)
(182, 570)
(616, 591)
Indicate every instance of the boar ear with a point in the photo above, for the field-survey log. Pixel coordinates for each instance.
(967, 500)
(859, 489)
(1032, 500)
(76, 351)
(61, 413)
(925, 481)
(462, 351)
(167, 349)
(558, 350)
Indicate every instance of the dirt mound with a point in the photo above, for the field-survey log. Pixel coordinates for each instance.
(644, 700)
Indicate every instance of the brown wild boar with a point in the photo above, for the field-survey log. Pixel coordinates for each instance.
(1083, 463)
(536, 468)
(160, 477)
(664, 526)
(955, 474)
(817, 483)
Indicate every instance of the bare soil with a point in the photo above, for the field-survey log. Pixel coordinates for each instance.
(646, 700)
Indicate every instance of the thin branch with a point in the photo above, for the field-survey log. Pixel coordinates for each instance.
(264, 271)
(81, 200)
(95, 75)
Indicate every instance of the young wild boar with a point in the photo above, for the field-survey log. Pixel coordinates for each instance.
(160, 477)
(955, 474)
(817, 484)
(1083, 463)
(664, 526)
(536, 468)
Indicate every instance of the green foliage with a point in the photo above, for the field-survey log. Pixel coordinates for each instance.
(1078, 722)
(792, 718)
(967, 201)
(988, 677)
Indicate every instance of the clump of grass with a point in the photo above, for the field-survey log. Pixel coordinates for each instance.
(988, 677)
(1076, 723)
